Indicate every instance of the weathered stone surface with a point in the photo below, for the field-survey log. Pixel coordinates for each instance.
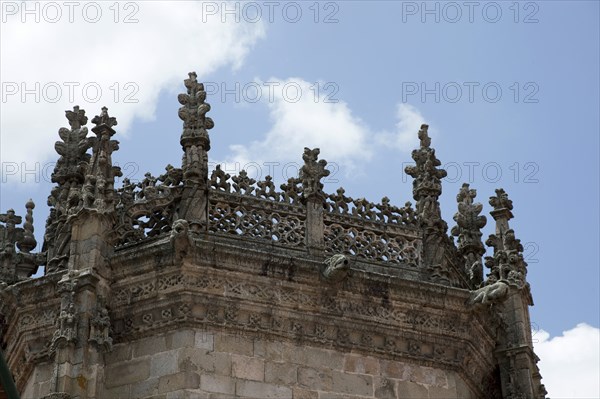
(127, 373)
(408, 389)
(180, 339)
(361, 364)
(385, 388)
(253, 389)
(204, 340)
(164, 363)
(234, 344)
(149, 346)
(299, 393)
(281, 373)
(174, 382)
(355, 384)
(214, 362)
(217, 383)
(319, 380)
(247, 368)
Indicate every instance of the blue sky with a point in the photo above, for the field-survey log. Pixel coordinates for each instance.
(381, 69)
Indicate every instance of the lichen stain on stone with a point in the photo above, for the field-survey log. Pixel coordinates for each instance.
(82, 382)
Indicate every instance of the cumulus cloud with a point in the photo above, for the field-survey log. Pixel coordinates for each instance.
(123, 61)
(570, 363)
(403, 137)
(301, 116)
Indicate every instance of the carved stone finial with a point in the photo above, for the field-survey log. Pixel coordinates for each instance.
(27, 243)
(508, 263)
(193, 112)
(98, 189)
(194, 140)
(427, 187)
(424, 138)
(76, 117)
(468, 230)
(104, 120)
(312, 172)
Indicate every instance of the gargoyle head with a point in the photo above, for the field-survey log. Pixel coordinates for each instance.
(336, 268)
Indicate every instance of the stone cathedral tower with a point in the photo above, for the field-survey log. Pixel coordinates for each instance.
(190, 285)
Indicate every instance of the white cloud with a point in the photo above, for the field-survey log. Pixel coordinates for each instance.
(302, 118)
(570, 363)
(314, 121)
(403, 137)
(153, 54)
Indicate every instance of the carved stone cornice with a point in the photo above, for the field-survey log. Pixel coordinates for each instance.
(222, 287)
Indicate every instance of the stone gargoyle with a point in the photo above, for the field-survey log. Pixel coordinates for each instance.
(180, 239)
(489, 294)
(336, 268)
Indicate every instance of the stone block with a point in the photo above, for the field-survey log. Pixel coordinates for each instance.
(361, 364)
(211, 362)
(164, 363)
(204, 340)
(462, 390)
(299, 393)
(234, 344)
(149, 346)
(122, 392)
(217, 383)
(385, 388)
(248, 368)
(145, 388)
(174, 382)
(434, 377)
(191, 394)
(269, 350)
(313, 357)
(180, 339)
(127, 373)
(355, 384)
(281, 373)
(408, 389)
(261, 390)
(442, 393)
(319, 380)
(119, 353)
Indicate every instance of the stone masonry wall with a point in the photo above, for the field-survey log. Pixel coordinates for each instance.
(214, 365)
